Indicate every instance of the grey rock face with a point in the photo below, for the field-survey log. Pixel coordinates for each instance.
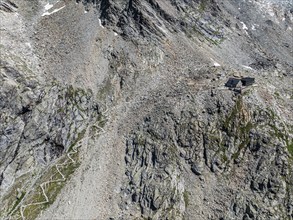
(234, 146)
(39, 126)
(150, 19)
(40, 122)
(130, 95)
(203, 20)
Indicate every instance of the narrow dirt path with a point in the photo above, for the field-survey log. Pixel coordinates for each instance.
(62, 179)
(97, 182)
(69, 160)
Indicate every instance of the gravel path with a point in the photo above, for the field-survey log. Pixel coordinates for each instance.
(94, 187)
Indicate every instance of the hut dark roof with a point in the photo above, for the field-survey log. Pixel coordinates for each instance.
(247, 81)
(232, 82)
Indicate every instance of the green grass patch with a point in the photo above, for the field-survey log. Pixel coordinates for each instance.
(290, 147)
(18, 200)
(277, 94)
(10, 200)
(102, 120)
(186, 198)
(230, 121)
(235, 126)
(80, 136)
(52, 189)
(202, 6)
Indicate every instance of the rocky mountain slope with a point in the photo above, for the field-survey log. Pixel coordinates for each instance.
(114, 109)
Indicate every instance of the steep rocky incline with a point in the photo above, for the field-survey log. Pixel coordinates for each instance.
(114, 109)
(220, 154)
(271, 23)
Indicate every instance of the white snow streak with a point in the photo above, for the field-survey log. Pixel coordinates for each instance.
(54, 11)
(247, 67)
(215, 63)
(244, 27)
(100, 23)
(48, 6)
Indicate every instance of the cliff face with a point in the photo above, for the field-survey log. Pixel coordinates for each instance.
(223, 157)
(117, 109)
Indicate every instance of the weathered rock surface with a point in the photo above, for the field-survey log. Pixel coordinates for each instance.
(114, 109)
(232, 152)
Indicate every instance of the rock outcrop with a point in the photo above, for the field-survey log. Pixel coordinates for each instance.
(225, 146)
(114, 109)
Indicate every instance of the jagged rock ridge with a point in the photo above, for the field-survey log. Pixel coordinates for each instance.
(117, 110)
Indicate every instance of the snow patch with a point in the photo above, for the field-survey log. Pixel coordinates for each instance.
(215, 63)
(115, 34)
(164, 30)
(28, 44)
(100, 23)
(48, 6)
(271, 12)
(247, 67)
(54, 11)
(244, 27)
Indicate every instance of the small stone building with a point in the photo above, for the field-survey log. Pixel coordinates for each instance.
(233, 83)
(237, 84)
(247, 81)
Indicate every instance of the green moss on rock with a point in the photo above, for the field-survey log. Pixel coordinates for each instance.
(290, 147)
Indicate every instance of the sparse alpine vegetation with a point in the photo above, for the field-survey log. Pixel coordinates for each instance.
(121, 109)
